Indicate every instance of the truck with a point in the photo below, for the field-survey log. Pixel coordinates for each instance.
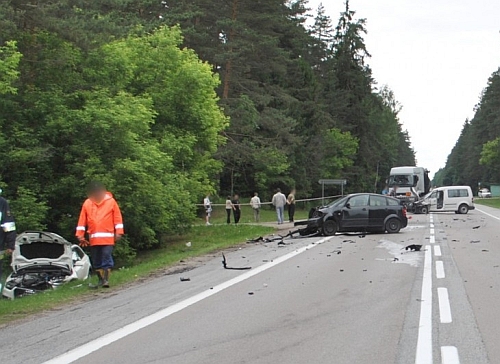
(412, 183)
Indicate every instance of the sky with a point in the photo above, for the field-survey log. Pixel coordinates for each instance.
(437, 56)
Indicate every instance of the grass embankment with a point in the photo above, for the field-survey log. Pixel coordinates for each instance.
(267, 214)
(491, 202)
(203, 240)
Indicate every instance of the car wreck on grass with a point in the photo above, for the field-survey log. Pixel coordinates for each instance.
(44, 260)
(361, 212)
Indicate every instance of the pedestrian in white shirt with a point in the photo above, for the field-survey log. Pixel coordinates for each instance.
(255, 204)
(279, 202)
(208, 209)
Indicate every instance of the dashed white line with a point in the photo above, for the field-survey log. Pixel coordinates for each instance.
(449, 355)
(129, 329)
(424, 342)
(437, 250)
(440, 270)
(444, 306)
(432, 231)
(432, 239)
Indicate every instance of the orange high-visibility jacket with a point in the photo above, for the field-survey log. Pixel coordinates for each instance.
(101, 221)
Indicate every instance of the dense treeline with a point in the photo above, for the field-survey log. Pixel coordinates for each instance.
(164, 100)
(475, 158)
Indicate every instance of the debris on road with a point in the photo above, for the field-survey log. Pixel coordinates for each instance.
(485, 250)
(475, 241)
(476, 227)
(414, 247)
(185, 279)
(250, 293)
(224, 264)
(349, 241)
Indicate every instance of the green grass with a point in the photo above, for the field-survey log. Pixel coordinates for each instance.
(204, 240)
(492, 202)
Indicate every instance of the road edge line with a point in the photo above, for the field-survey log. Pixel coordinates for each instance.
(424, 351)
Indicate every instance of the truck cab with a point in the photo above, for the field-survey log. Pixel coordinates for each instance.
(412, 183)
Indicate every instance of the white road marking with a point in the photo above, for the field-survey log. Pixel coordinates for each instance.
(424, 342)
(449, 355)
(129, 329)
(431, 218)
(440, 269)
(437, 250)
(432, 231)
(486, 213)
(432, 239)
(444, 306)
(432, 225)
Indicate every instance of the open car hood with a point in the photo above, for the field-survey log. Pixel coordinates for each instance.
(38, 251)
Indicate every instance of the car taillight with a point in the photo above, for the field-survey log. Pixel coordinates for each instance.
(404, 211)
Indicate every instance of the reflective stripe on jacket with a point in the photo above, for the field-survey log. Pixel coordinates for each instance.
(101, 221)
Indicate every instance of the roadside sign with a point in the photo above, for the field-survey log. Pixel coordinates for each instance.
(323, 182)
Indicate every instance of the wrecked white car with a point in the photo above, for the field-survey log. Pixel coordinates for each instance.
(43, 260)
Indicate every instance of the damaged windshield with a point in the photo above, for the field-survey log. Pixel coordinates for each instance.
(402, 180)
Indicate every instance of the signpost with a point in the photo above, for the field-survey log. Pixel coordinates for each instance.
(323, 182)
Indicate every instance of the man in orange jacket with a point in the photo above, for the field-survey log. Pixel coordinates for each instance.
(102, 220)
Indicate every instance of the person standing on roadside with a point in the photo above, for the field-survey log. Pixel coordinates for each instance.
(102, 219)
(208, 209)
(279, 202)
(290, 201)
(229, 209)
(7, 233)
(255, 204)
(236, 208)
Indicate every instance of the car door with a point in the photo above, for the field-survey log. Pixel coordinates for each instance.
(355, 214)
(433, 201)
(377, 211)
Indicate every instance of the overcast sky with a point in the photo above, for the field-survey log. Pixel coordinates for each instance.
(436, 55)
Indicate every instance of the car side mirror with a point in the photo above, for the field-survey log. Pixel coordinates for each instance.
(348, 205)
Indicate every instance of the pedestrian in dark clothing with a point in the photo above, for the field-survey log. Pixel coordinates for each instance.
(290, 201)
(229, 209)
(7, 233)
(236, 209)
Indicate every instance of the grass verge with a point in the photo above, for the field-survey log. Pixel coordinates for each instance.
(203, 240)
(491, 202)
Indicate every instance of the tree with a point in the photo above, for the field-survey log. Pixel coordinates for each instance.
(9, 62)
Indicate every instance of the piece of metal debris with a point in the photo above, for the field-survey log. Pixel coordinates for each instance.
(475, 241)
(185, 279)
(224, 264)
(476, 227)
(414, 247)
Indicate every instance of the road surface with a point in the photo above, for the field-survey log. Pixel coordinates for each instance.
(375, 302)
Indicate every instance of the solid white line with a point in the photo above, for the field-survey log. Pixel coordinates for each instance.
(129, 329)
(432, 239)
(437, 250)
(449, 355)
(440, 269)
(424, 342)
(444, 306)
(486, 213)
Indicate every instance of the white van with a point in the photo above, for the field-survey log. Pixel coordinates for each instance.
(450, 198)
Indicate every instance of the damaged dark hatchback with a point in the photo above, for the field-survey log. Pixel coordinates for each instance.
(361, 212)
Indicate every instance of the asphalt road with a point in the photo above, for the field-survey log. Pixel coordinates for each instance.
(301, 303)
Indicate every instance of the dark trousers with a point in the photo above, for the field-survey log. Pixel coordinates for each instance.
(291, 212)
(228, 211)
(237, 216)
(102, 257)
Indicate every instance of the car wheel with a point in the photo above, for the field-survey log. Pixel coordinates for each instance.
(463, 209)
(393, 226)
(424, 210)
(329, 228)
